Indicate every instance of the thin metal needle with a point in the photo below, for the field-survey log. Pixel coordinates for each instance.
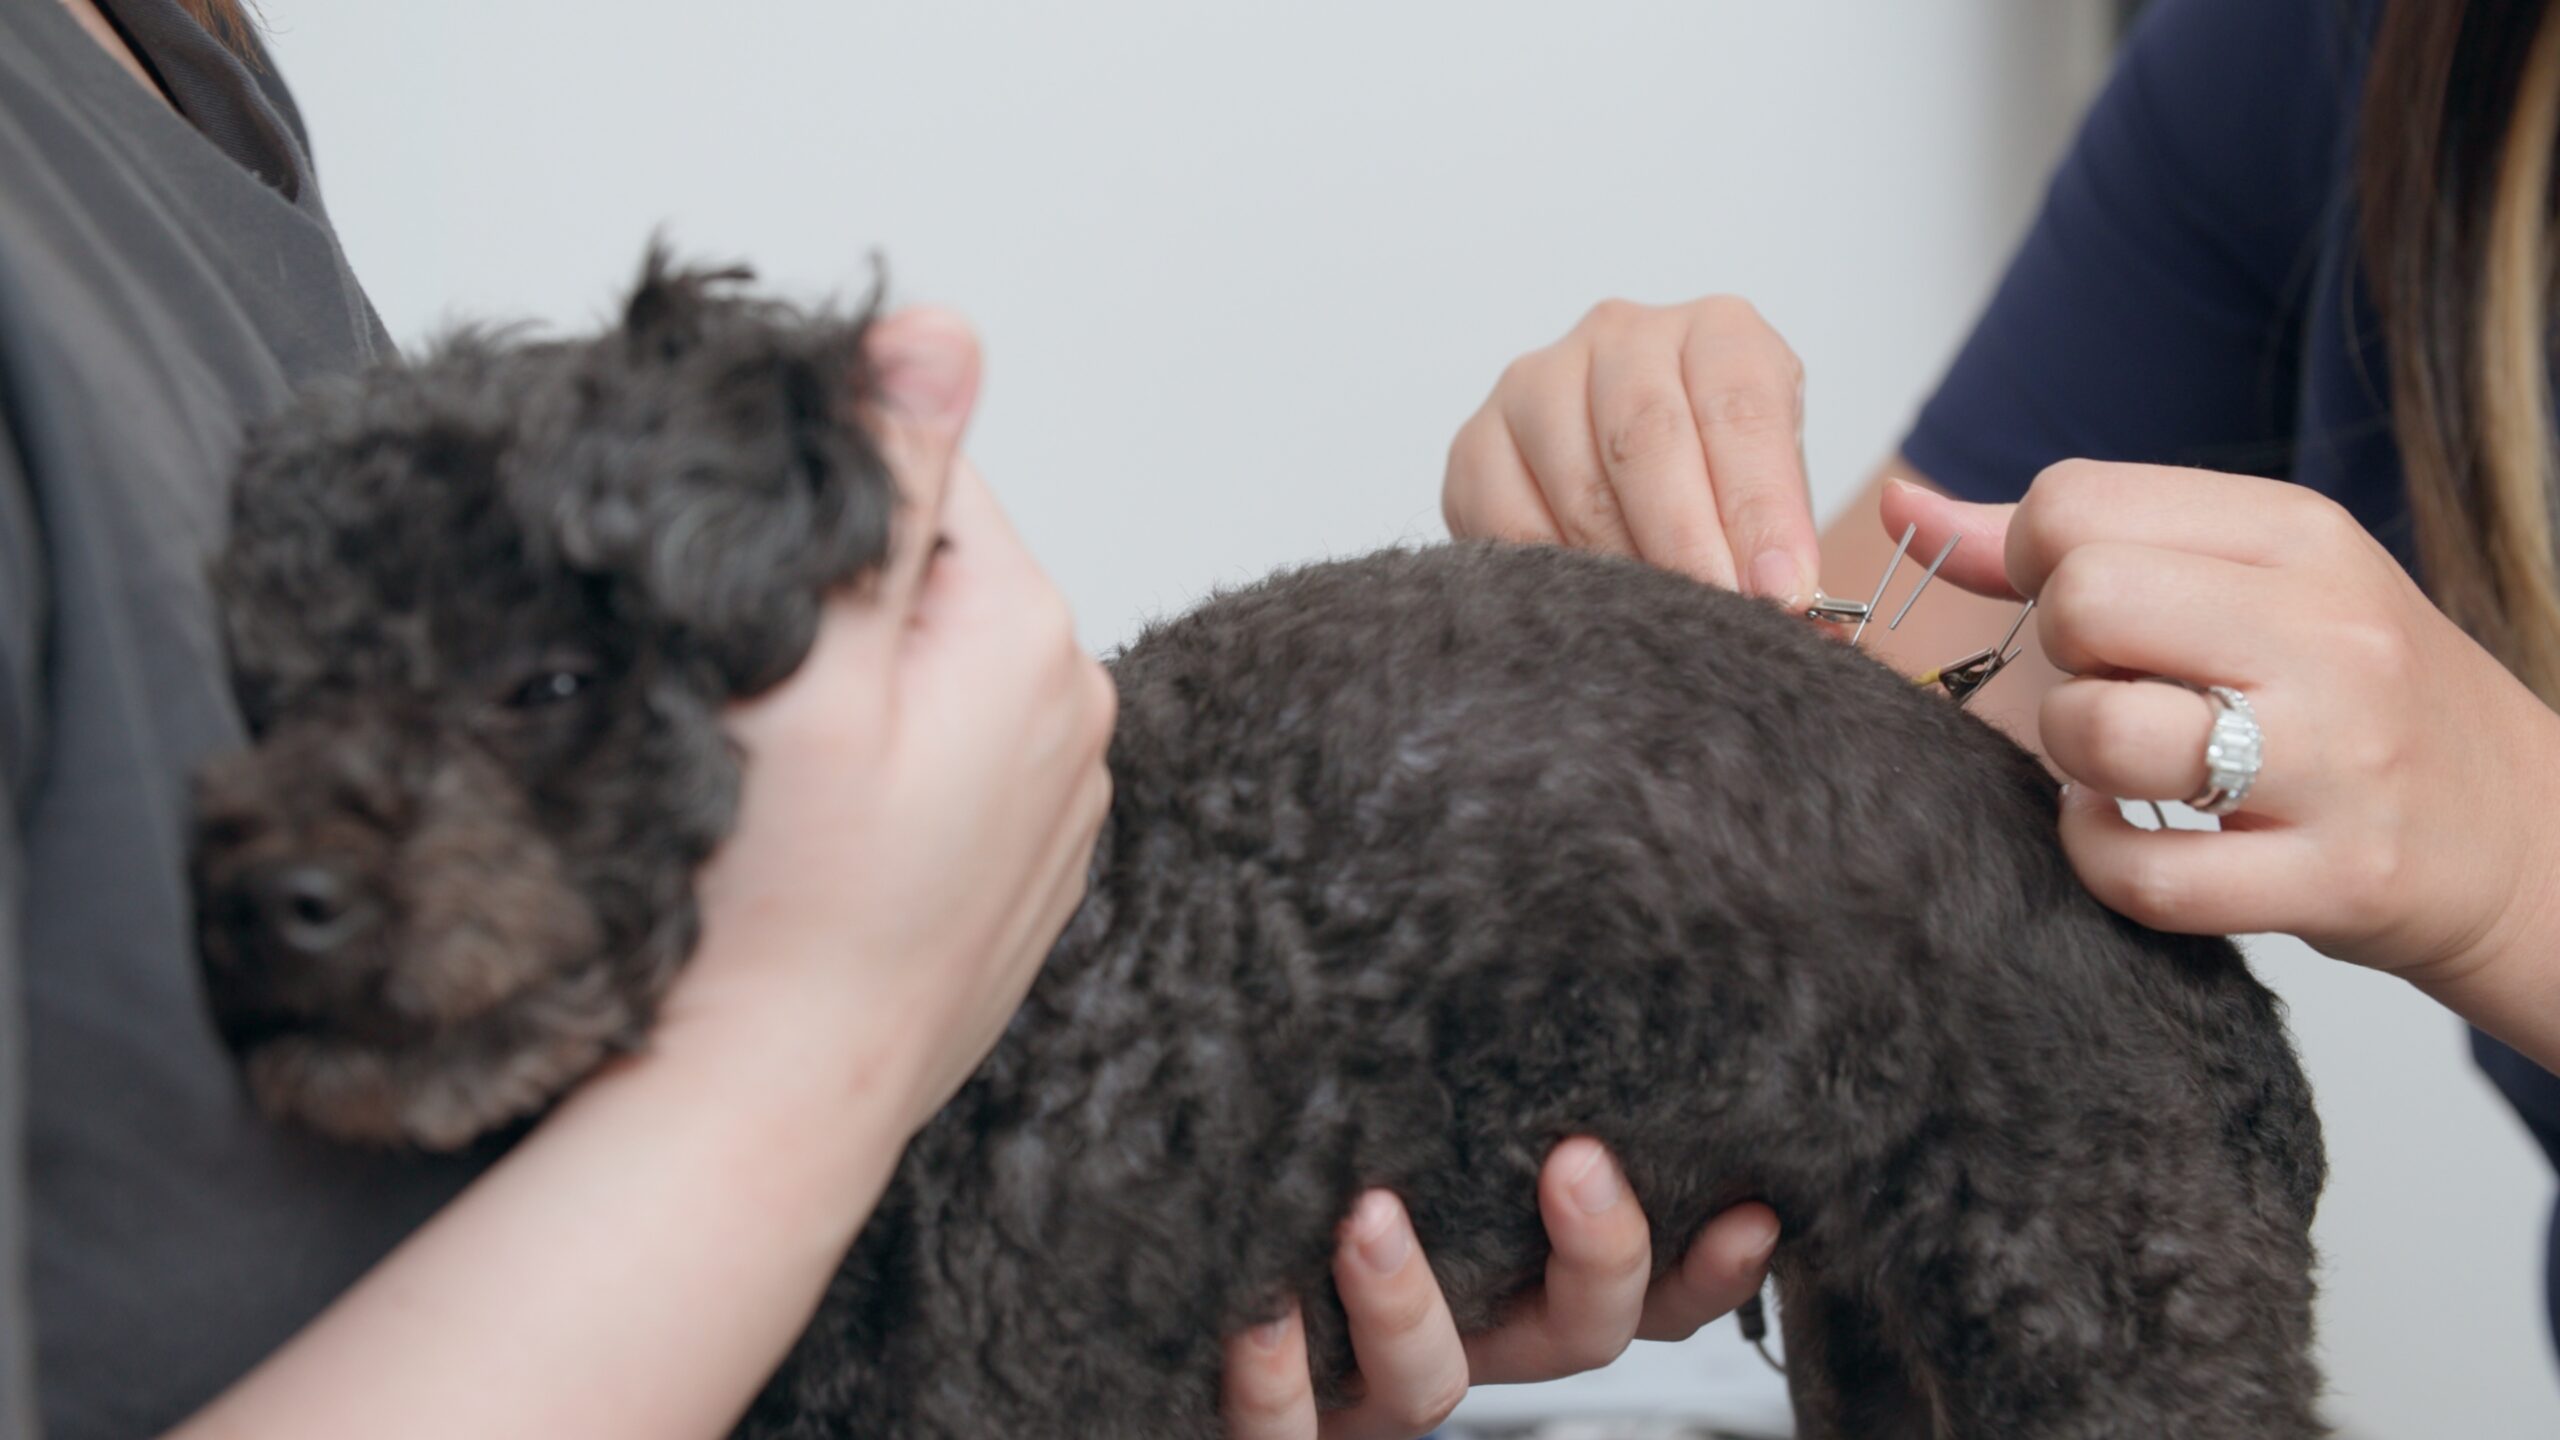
(2014, 627)
(1898, 552)
(1930, 574)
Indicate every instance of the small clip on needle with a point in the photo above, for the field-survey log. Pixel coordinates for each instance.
(1835, 611)
(1963, 679)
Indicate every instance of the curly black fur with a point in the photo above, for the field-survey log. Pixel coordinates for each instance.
(483, 613)
(1418, 864)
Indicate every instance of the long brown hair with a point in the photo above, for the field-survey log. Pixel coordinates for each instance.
(229, 20)
(2461, 115)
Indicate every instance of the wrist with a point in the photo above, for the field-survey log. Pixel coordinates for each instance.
(816, 1012)
(810, 1101)
(2514, 996)
(2505, 976)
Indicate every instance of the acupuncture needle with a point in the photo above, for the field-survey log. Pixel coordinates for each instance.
(1926, 576)
(2014, 627)
(1899, 551)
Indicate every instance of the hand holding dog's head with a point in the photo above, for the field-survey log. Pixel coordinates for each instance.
(484, 614)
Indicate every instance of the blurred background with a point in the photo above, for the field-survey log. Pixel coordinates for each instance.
(1243, 270)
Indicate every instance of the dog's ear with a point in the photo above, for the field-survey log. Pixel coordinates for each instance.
(711, 467)
(672, 308)
(776, 498)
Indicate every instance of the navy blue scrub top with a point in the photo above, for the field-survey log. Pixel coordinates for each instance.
(2190, 295)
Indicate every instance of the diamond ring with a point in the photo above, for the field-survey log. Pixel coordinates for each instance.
(2234, 749)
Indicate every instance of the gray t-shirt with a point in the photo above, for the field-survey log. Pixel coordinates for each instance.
(162, 280)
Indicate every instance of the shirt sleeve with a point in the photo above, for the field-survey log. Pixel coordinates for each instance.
(23, 587)
(2153, 311)
(2535, 1094)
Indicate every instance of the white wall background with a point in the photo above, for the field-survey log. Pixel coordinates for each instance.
(1243, 269)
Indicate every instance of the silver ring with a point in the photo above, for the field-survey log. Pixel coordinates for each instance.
(2234, 751)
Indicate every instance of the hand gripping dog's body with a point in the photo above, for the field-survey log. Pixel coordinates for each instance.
(1417, 864)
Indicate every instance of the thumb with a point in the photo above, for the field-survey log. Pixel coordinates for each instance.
(1979, 563)
(924, 368)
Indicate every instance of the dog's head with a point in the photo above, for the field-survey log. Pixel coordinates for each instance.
(483, 612)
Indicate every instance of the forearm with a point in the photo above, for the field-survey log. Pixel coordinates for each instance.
(635, 1268)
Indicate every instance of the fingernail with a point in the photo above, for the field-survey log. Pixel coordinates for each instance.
(1268, 1335)
(1774, 576)
(1761, 1252)
(1597, 1187)
(924, 365)
(1378, 1231)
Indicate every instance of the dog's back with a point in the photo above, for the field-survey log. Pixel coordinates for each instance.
(1422, 862)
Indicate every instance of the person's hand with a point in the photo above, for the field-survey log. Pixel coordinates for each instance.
(921, 796)
(1673, 433)
(1414, 1365)
(2399, 819)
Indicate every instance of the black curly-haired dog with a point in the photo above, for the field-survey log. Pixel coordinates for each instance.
(1418, 864)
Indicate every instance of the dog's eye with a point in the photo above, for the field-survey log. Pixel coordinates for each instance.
(549, 688)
